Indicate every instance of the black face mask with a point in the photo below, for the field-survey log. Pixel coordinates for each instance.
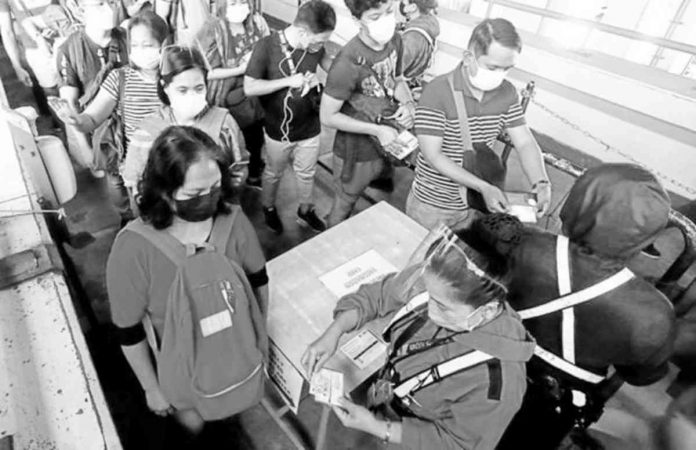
(199, 208)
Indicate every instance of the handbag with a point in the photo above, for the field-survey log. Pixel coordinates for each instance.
(479, 158)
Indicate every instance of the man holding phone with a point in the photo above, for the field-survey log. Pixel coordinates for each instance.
(282, 73)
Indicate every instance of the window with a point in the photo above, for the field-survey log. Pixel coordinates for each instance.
(655, 33)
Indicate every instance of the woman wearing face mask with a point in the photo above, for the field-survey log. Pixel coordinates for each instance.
(228, 40)
(129, 92)
(184, 192)
(182, 89)
(443, 309)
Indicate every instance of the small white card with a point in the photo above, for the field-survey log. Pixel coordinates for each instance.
(364, 348)
(526, 214)
(215, 323)
(327, 386)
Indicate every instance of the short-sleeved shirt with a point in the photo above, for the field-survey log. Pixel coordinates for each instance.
(436, 115)
(360, 70)
(80, 59)
(269, 62)
(138, 275)
(140, 97)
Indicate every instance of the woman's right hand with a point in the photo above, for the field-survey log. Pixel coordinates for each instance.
(319, 352)
(64, 111)
(386, 135)
(157, 403)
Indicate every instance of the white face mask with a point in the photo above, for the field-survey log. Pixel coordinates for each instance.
(101, 19)
(382, 29)
(145, 57)
(487, 79)
(237, 13)
(188, 106)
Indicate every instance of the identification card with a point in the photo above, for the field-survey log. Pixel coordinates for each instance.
(215, 323)
(327, 386)
(364, 348)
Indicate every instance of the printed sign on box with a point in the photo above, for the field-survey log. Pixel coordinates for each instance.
(366, 268)
(287, 380)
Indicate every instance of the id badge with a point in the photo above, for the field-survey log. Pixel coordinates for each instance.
(216, 323)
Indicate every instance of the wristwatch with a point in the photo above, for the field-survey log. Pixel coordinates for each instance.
(387, 433)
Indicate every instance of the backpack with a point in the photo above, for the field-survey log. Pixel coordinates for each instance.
(214, 345)
(109, 138)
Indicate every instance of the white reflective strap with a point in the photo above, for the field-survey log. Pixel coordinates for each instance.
(568, 334)
(414, 303)
(445, 369)
(565, 288)
(582, 296)
(563, 265)
(564, 366)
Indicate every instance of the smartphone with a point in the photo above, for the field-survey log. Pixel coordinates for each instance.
(522, 205)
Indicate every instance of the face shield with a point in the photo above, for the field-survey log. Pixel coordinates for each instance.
(441, 250)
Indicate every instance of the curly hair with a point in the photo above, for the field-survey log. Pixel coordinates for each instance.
(175, 150)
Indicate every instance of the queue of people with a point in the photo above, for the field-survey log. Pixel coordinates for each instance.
(490, 330)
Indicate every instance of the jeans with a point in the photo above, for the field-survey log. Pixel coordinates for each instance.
(303, 155)
(431, 216)
(348, 193)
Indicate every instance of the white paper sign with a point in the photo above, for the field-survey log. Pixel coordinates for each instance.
(366, 268)
(287, 380)
(364, 348)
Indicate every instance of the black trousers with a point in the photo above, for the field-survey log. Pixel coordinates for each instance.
(254, 138)
(541, 423)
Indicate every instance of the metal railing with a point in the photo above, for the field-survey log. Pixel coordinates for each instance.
(618, 31)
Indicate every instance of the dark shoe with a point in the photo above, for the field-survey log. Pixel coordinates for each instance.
(272, 220)
(254, 183)
(383, 184)
(311, 220)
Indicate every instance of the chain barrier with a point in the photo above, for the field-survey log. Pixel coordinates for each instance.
(609, 147)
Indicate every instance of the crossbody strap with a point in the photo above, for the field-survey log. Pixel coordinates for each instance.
(462, 115)
(439, 372)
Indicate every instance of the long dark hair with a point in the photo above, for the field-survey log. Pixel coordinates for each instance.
(176, 60)
(172, 153)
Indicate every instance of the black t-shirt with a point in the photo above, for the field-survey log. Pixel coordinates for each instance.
(353, 73)
(265, 64)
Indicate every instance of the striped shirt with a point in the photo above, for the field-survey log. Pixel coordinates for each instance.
(436, 115)
(140, 97)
